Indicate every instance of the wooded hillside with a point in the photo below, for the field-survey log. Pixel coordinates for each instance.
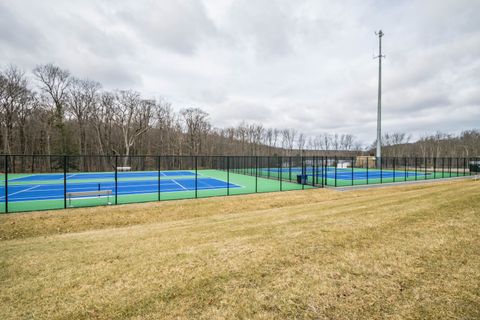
(50, 111)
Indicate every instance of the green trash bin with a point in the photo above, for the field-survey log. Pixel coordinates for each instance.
(474, 166)
(302, 179)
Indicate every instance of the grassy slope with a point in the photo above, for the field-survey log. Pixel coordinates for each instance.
(398, 252)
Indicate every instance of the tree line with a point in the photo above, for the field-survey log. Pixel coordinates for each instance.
(58, 113)
(439, 144)
(50, 111)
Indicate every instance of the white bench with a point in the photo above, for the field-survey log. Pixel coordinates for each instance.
(96, 193)
(124, 168)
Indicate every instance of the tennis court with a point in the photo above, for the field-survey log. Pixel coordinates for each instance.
(28, 192)
(349, 173)
(30, 183)
(332, 176)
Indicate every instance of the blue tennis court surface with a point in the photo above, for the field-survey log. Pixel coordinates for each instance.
(348, 173)
(102, 175)
(54, 191)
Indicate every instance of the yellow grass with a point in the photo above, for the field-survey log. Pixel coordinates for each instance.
(398, 252)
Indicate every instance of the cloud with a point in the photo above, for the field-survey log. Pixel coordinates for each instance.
(303, 64)
(15, 34)
(181, 26)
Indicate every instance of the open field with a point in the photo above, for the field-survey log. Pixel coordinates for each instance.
(408, 251)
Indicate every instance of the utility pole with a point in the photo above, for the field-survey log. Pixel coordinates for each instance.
(378, 154)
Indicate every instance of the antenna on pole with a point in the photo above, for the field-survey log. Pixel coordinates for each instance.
(378, 154)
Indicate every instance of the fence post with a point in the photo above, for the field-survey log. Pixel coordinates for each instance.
(256, 174)
(381, 169)
(336, 165)
(367, 169)
(280, 174)
(443, 167)
(268, 166)
(425, 171)
(196, 178)
(64, 182)
(303, 173)
(324, 170)
(314, 171)
(116, 179)
(394, 167)
(290, 169)
(353, 159)
(457, 166)
(405, 168)
(159, 167)
(228, 175)
(6, 183)
(450, 166)
(464, 166)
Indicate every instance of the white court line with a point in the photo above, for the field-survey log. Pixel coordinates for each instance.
(30, 175)
(28, 189)
(178, 184)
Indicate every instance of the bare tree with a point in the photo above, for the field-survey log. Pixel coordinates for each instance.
(82, 97)
(301, 142)
(132, 115)
(197, 126)
(54, 83)
(15, 99)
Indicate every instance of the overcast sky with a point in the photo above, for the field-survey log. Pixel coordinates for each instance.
(296, 64)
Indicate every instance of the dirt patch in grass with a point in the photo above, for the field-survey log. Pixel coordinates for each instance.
(398, 252)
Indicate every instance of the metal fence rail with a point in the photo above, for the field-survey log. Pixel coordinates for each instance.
(44, 182)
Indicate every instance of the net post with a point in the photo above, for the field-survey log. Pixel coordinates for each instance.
(116, 179)
(64, 182)
(196, 177)
(405, 168)
(6, 183)
(434, 168)
(464, 165)
(228, 175)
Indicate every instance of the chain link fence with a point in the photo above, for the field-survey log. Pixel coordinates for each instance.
(45, 182)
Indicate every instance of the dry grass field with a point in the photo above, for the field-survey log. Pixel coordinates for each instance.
(403, 252)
